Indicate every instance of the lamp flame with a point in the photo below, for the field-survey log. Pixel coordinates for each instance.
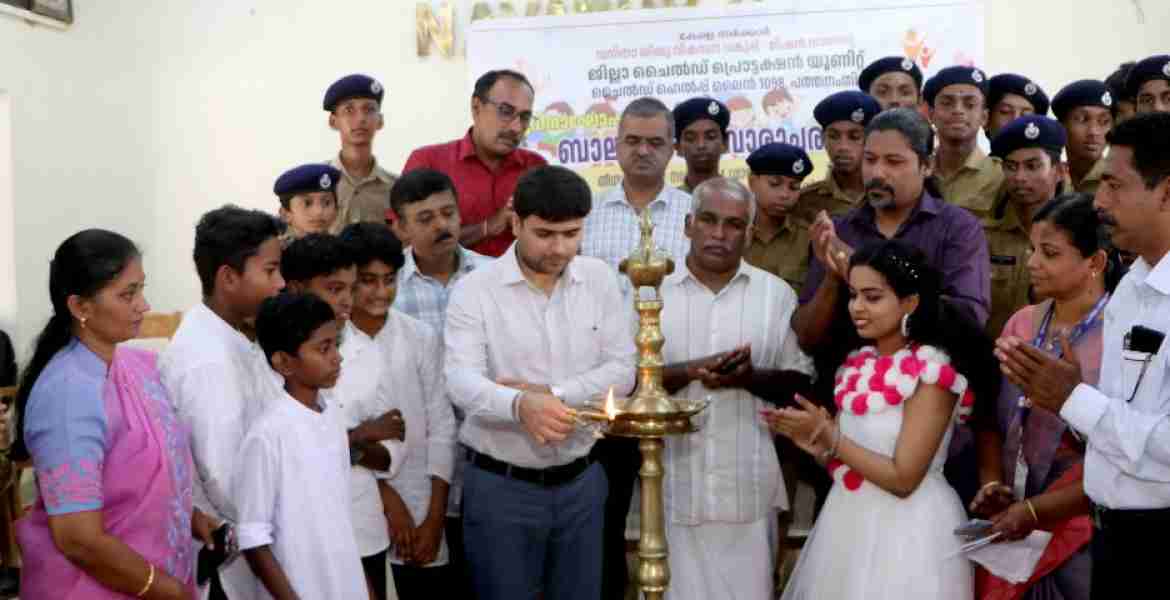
(610, 408)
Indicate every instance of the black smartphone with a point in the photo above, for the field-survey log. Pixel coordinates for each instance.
(210, 560)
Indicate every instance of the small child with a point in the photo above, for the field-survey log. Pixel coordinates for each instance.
(308, 199)
(292, 485)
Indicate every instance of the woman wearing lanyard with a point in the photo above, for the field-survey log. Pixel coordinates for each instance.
(1031, 465)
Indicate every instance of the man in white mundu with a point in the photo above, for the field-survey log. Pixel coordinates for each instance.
(729, 341)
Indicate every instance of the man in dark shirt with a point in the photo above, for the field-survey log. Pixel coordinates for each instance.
(899, 204)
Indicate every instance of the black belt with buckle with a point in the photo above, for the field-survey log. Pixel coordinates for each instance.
(550, 476)
(1110, 518)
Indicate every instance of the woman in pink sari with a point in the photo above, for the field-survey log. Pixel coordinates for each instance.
(113, 518)
(1032, 465)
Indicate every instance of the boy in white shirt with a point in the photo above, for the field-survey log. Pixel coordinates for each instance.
(416, 498)
(292, 491)
(365, 401)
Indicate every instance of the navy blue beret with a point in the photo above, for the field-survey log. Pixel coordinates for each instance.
(780, 159)
(856, 107)
(1086, 92)
(954, 76)
(352, 86)
(692, 110)
(1029, 131)
(889, 64)
(1010, 83)
(315, 177)
(1148, 69)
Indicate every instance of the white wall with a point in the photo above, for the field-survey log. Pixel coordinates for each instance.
(8, 307)
(144, 115)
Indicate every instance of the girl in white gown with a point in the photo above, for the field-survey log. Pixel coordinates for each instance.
(887, 528)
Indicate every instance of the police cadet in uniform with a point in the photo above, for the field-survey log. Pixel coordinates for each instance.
(1011, 96)
(779, 242)
(966, 176)
(1030, 148)
(308, 200)
(843, 117)
(1124, 105)
(894, 81)
(1149, 84)
(700, 131)
(1084, 108)
(354, 103)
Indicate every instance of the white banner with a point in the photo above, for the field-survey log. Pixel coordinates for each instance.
(771, 67)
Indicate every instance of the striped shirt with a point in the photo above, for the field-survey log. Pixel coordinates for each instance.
(425, 298)
(612, 230)
(727, 471)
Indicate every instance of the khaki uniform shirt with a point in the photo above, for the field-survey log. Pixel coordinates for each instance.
(825, 195)
(361, 200)
(1091, 180)
(785, 255)
(1009, 247)
(975, 186)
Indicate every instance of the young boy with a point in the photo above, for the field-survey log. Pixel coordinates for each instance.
(354, 104)
(366, 398)
(294, 528)
(779, 243)
(415, 500)
(308, 199)
(214, 374)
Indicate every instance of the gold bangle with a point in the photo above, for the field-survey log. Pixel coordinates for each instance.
(989, 484)
(1032, 509)
(485, 230)
(149, 582)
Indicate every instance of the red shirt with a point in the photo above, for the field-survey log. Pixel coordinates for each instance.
(480, 190)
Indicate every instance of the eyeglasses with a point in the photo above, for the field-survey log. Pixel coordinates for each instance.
(507, 112)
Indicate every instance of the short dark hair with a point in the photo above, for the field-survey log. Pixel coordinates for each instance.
(486, 81)
(230, 235)
(1148, 135)
(368, 242)
(314, 255)
(911, 124)
(288, 319)
(552, 193)
(418, 185)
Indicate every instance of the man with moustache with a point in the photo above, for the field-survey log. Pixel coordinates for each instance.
(645, 132)
(486, 163)
(1085, 109)
(530, 338)
(700, 128)
(966, 176)
(1125, 419)
(843, 117)
(1030, 148)
(729, 341)
(426, 216)
(900, 204)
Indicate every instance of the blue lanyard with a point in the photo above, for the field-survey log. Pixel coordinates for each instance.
(1077, 331)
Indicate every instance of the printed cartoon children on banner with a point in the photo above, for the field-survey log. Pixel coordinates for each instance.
(769, 67)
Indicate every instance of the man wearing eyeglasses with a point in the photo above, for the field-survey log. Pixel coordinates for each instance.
(354, 103)
(486, 163)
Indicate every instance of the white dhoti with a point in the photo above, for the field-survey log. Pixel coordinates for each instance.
(721, 561)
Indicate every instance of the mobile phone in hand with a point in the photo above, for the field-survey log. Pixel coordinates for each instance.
(975, 528)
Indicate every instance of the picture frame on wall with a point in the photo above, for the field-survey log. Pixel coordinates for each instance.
(61, 10)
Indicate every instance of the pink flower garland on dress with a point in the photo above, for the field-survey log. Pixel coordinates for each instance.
(868, 384)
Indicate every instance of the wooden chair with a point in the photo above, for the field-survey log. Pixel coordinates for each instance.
(160, 325)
